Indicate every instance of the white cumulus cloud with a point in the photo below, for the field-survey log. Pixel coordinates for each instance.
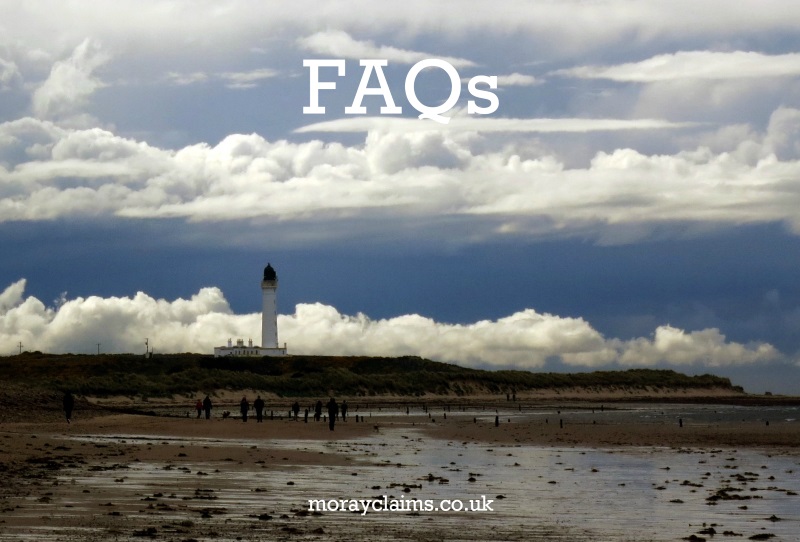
(47, 171)
(708, 347)
(66, 90)
(526, 339)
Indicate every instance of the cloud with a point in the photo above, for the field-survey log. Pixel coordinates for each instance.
(783, 132)
(703, 65)
(232, 80)
(517, 80)
(619, 196)
(66, 90)
(247, 79)
(567, 26)
(339, 44)
(490, 124)
(526, 339)
(10, 75)
(182, 79)
(708, 347)
(121, 324)
(12, 296)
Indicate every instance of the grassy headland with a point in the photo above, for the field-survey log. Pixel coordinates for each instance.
(314, 376)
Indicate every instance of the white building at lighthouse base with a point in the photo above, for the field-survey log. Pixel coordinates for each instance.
(248, 350)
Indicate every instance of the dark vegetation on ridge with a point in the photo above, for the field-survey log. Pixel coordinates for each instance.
(313, 376)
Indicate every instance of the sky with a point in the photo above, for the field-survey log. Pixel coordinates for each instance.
(632, 201)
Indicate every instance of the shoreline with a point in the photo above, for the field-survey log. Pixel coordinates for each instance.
(30, 403)
(580, 396)
(543, 423)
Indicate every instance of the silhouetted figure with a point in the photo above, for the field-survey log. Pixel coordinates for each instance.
(198, 406)
(318, 411)
(296, 410)
(69, 405)
(333, 411)
(207, 407)
(258, 404)
(305, 417)
(344, 411)
(244, 406)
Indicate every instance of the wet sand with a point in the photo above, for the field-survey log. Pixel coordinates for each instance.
(627, 472)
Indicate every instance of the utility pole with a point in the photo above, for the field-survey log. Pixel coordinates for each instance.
(98, 349)
(146, 346)
(20, 348)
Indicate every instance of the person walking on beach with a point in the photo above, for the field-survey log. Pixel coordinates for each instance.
(198, 406)
(318, 411)
(296, 410)
(69, 404)
(207, 407)
(333, 411)
(258, 404)
(344, 411)
(244, 406)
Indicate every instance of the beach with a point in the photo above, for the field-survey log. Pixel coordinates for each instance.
(564, 471)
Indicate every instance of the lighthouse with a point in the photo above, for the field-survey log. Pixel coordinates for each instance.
(269, 324)
(269, 308)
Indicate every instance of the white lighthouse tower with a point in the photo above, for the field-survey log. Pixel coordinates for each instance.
(269, 308)
(269, 325)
